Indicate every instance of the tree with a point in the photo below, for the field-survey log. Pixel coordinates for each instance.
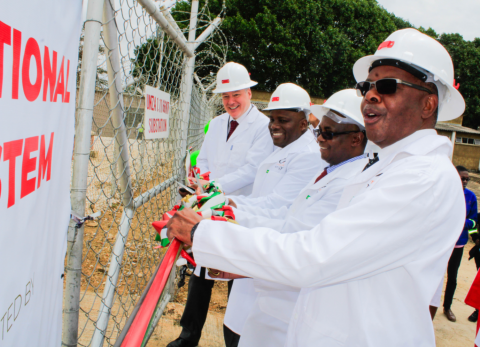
(309, 42)
(314, 43)
(466, 59)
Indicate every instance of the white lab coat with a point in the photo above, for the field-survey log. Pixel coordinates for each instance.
(234, 163)
(369, 270)
(279, 179)
(267, 322)
(284, 173)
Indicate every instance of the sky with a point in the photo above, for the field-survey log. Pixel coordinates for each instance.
(444, 16)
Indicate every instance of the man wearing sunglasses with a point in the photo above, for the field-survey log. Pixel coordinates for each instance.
(369, 270)
(342, 142)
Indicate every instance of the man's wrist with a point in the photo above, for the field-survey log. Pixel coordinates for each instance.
(192, 232)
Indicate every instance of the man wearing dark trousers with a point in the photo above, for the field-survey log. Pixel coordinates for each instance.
(456, 257)
(235, 144)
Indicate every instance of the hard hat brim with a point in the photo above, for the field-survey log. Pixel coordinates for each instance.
(451, 108)
(298, 109)
(319, 111)
(233, 89)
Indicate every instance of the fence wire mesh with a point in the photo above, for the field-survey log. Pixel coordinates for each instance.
(147, 55)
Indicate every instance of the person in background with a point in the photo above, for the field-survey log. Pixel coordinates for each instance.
(456, 257)
(235, 144)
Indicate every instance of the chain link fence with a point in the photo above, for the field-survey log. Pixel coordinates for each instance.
(129, 180)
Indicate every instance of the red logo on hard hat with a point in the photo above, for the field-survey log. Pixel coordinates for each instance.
(225, 81)
(386, 44)
(311, 103)
(277, 98)
(455, 84)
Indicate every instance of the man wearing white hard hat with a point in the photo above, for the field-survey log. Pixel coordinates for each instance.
(238, 140)
(369, 270)
(342, 142)
(279, 179)
(235, 144)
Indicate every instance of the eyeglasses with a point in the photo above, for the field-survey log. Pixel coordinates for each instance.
(328, 135)
(386, 86)
(465, 179)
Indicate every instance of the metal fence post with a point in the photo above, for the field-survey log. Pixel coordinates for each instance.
(81, 154)
(123, 167)
(187, 84)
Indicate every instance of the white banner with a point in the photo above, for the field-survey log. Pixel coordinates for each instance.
(38, 62)
(157, 111)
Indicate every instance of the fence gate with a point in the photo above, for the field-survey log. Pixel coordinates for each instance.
(116, 172)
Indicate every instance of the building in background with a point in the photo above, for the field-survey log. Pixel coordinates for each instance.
(466, 143)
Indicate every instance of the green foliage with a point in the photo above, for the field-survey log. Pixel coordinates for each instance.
(466, 60)
(315, 43)
(309, 42)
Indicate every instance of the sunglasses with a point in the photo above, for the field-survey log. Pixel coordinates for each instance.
(465, 179)
(386, 86)
(328, 135)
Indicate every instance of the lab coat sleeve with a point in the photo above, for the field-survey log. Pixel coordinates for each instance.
(307, 219)
(300, 171)
(268, 286)
(202, 160)
(245, 175)
(380, 230)
(283, 221)
(250, 220)
(277, 213)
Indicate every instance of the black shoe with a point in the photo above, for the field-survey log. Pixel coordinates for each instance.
(181, 343)
(473, 317)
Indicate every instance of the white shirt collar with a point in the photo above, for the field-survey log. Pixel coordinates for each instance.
(242, 117)
(395, 147)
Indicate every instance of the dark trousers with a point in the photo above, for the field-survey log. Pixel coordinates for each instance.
(452, 271)
(196, 309)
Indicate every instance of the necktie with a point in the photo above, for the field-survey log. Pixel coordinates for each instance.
(371, 162)
(233, 126)
(322, 175)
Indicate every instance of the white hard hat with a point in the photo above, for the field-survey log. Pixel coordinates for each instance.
(289, 96)
(232, 77)
(425, 58)
(345, 102)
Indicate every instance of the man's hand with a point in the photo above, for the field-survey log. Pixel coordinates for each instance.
(232, 203)
(221, 274)
(181, 224)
